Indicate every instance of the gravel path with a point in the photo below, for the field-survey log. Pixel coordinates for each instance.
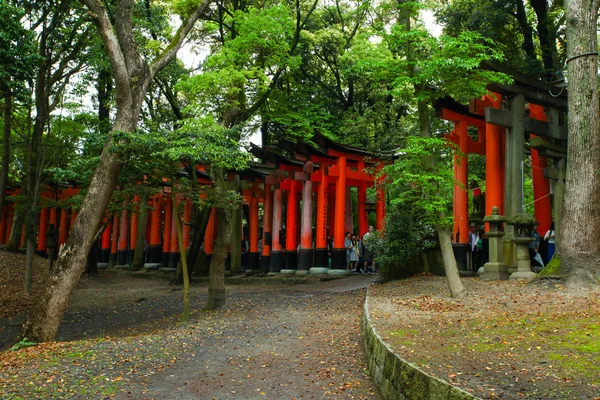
(270, 343)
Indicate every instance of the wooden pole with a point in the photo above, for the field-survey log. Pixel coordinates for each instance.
(541, 185)
(338, 254)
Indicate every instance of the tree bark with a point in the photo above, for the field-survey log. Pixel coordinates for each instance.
(5, 147)
(216, 283)
(132, 77)
(185, 317)
(34, 159)
(580, 252)
(140, 240)
(546, 34)
(527, 45)
(43, 323)
(457, 291)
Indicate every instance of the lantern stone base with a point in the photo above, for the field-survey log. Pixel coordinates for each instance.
(523, 262)
(494, 271)
(523, 275)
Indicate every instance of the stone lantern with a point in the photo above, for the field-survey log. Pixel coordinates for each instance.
(495, 269)
(523, 228)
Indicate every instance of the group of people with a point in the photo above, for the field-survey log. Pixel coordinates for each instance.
(359, 256)
(475, 247)
(538, 258)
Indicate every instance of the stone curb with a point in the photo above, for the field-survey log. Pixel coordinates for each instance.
(396, 378)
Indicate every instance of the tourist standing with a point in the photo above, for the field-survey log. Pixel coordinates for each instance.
(348, 246)
(550, 237)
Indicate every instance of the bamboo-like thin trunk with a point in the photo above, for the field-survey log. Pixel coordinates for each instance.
(185, 317)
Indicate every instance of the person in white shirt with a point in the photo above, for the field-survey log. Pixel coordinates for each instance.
(473, 241)
(550, 237)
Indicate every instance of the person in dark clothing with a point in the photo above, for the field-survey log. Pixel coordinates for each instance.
(245, 253)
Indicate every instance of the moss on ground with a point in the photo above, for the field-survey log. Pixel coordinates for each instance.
(552, 268)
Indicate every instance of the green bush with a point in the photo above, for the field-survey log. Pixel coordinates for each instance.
(403, 237)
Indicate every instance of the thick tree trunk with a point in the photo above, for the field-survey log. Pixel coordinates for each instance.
(580, 252)
(132, 76)
(457, 290)
(546, 34)
(528, 44)
(216, 283)
(5, 148)
(140, 240)
(43, 323)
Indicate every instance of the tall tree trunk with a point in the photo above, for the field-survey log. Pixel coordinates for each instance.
(454, 283)
(528, 45)
(216, 280)
(216, 283)
(457, 290)
(546, 34)
(5, 148)
(33, 171)
(140, 240)
(43, 323)
(132, 77)
(580, 253)
(185, 317)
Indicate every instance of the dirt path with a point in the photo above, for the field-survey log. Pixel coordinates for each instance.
(270, 343)
(301, 342)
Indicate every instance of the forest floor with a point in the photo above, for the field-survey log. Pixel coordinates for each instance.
(120, 338)
(507, 339)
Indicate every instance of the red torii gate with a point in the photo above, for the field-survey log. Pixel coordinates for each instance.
(491, 143)
(321, 175)
(317, 172)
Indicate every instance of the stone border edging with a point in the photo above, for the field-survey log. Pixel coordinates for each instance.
(396, 378)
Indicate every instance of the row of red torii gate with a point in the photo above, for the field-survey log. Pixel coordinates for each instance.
(306, 205)
(305, 191)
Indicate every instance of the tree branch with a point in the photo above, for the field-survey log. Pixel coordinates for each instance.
(124, 28)
(113, 49)
(169, 53)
